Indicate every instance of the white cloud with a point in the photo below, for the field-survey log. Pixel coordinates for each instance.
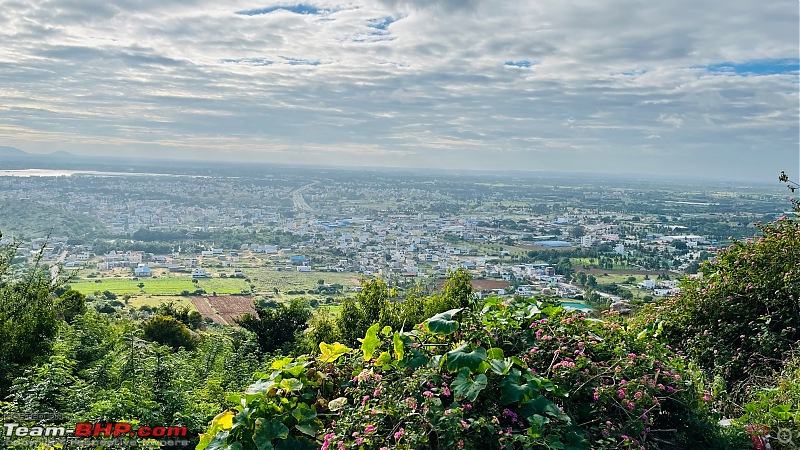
(612, 85)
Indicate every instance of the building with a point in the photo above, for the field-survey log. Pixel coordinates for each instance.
(141, 272)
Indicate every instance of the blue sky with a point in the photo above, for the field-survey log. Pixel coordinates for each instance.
(618, 86)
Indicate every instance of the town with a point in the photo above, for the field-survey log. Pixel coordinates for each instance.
(274, 234)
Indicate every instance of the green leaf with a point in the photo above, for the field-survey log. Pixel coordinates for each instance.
(260, 386)
(465, 387)
(385, 331)
(418, 359)
(495, 353)
(383, 359)
(310, 428)
(541, 405)
(443, 323)
(266, 432)
(279, 364)
(501, 366)
(291, 384)
(295, 369)
(459, 358)
(399, 346)
(332, 352)
(217, 443)
(370, 342)
(512, 391)
(304, 414)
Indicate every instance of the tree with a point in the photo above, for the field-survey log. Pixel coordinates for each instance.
(71, 304)
(458, 289)
(277, 328)
(577, 231)
(167, 330)
(28, 317)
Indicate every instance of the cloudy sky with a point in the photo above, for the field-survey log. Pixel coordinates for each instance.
(683, 87)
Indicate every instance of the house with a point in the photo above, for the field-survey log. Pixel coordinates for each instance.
(647, 284)
(199, 272)
(304, 269)
(141, 272)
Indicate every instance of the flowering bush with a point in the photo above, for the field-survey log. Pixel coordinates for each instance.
(741, 317)
(518, 374)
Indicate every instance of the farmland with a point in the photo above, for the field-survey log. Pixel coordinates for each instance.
(224, 309)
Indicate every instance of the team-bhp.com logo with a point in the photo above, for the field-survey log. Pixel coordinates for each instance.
(87, 429)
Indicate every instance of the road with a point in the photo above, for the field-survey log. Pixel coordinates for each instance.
(298, 202)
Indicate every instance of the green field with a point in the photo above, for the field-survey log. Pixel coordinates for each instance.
(172, 285)
(154, 300)
(578, 264)
(267, 278)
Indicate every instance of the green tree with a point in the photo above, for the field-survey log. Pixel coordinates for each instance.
(70, 304)
(277, 328)
(167, 330)
(28, 317)
(458, 289)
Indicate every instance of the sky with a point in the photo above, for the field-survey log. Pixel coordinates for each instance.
(680, 87)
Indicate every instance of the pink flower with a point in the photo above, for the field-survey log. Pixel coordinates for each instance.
(369, 429)
(428, 394)
(399, 433)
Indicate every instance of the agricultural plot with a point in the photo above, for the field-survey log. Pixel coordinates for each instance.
(224, 309)
(267, 278)
(159, 286)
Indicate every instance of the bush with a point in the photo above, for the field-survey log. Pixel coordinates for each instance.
(740, 318)
(519, 374)
(167, 330)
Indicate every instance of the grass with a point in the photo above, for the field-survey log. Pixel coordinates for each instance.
(172, 285)
(267, 278)
(155, 300)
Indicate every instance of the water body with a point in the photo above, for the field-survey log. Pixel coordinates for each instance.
(576, 305)
(27, 173)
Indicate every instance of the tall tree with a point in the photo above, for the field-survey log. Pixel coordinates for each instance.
(28, 317)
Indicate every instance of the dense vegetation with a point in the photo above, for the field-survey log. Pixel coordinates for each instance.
(428, 371)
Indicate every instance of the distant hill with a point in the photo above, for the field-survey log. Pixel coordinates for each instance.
(62, 154)
(11, 151)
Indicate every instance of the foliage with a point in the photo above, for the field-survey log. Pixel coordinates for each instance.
(28, 316)
(71, 304)
(518, 374)
(778, 407)
(743, 314)
(167, 330)
(278, 327)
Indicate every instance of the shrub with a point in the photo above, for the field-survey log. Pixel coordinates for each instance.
(518, 374)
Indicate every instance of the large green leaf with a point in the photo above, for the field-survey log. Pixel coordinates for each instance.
(331, 352)
(267, 431)
(501, 366)
(295, 369)
(443, 323)
(291, 384)
(542, 406)
(370, 342)
(512, 391)
(460, 358)
(465, 387)
(260, 386)
(303, 413)
(399, 346)
(383, 359)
